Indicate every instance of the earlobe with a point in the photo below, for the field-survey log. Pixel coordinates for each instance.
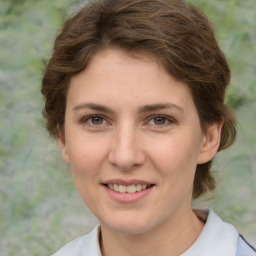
(210, 143)
(63, 148)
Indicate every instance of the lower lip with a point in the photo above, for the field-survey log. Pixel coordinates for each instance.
(128, 197)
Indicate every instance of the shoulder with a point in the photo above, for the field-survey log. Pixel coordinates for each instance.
(218, 238)
(73, 248)
(244, 248)
(87, 245)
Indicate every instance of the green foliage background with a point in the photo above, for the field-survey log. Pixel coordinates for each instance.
(39, 207)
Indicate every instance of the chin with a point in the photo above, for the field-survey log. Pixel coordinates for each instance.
(130, 230)
(130, 225)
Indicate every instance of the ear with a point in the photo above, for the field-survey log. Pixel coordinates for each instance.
(210, 143)
(63, 148)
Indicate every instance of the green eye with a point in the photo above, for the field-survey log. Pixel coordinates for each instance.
(159, 120)
(97, 120)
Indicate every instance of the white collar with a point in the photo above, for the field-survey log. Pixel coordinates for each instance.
(218, 238)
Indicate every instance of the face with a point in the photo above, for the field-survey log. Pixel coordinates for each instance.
(133, 140)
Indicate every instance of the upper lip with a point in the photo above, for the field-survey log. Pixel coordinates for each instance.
(127, 182)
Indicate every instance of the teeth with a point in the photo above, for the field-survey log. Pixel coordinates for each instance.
(138, 187)
(116, 187)
(131, 189)
(122, 189)
(127, 189)
(143, 186)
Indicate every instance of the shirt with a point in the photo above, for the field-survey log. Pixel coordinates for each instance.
(217, 238)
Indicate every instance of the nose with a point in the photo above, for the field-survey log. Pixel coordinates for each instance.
(126, 151)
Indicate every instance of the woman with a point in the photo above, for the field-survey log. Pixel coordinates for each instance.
(134, 93)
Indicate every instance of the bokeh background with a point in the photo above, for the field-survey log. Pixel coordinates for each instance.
(39, 208)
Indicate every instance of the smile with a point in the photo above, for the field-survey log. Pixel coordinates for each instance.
(128, 189)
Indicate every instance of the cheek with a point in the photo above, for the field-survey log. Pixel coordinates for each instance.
(85, 161)
(176, 162)
(177, 170)
(85, 151)
(175, 153)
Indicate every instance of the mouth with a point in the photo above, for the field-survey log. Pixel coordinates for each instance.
(130, 189)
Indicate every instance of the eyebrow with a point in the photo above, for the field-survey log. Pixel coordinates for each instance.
(154, 107)
(142, 109)
(93, 106)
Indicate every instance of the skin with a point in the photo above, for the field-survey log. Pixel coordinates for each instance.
(126, 141)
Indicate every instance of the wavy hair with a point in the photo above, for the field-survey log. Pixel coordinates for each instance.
(177, 34)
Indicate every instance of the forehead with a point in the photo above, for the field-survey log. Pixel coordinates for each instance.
(115, 74)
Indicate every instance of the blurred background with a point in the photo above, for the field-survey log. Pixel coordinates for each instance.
(39, 208)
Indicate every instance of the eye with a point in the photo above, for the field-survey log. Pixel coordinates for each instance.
(97, 120)
(160, 120)
(94, 120)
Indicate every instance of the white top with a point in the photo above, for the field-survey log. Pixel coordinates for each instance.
(218, 238)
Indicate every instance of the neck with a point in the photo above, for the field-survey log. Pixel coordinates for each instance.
(172, 237)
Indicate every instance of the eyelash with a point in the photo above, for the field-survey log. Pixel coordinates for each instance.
(167, 120)
(86, 120)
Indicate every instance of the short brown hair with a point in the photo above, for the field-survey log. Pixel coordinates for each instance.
(177, 34)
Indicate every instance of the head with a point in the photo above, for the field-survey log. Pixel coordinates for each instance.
(174, 34)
